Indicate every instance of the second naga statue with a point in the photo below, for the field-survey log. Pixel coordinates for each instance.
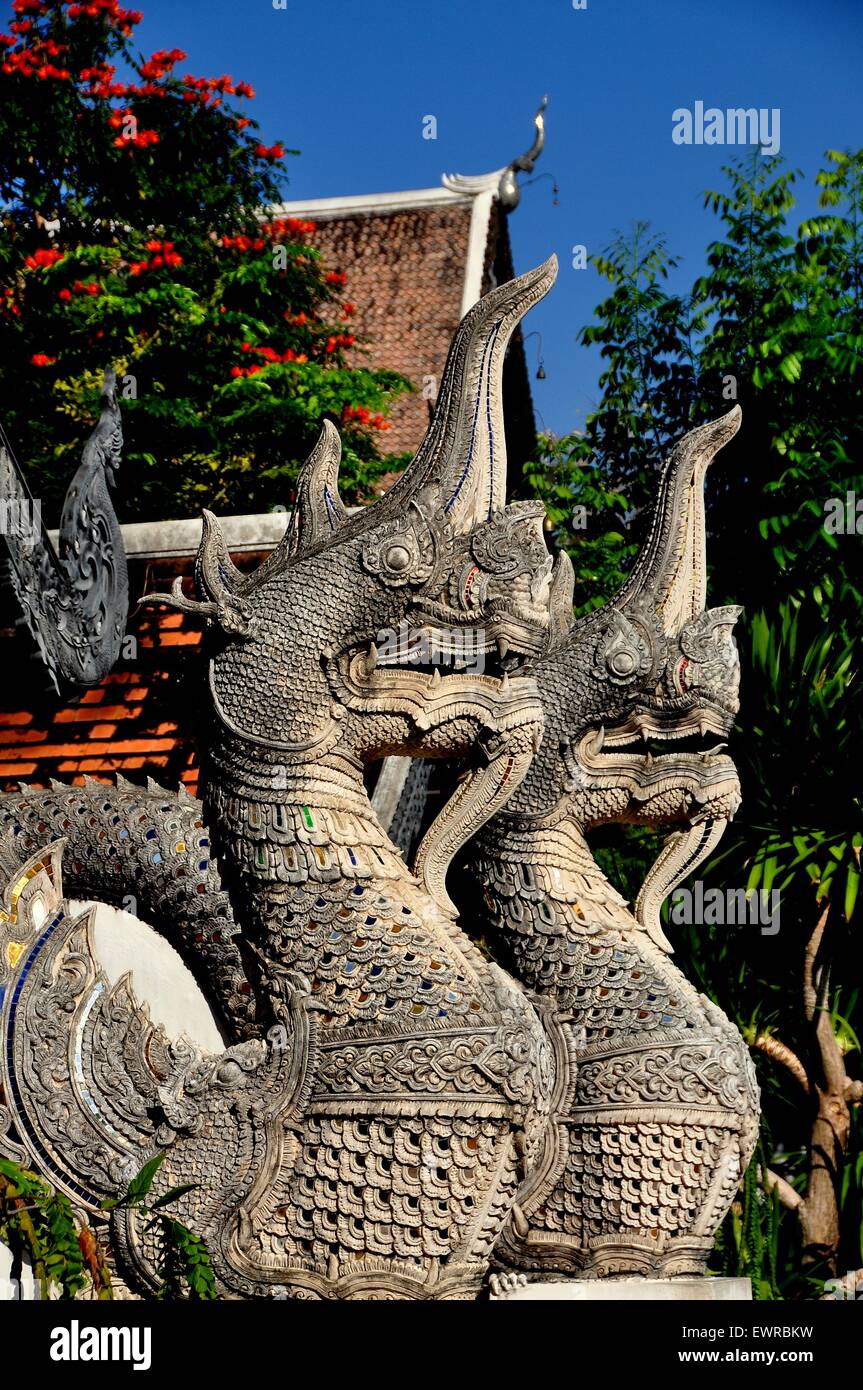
(430, 1116)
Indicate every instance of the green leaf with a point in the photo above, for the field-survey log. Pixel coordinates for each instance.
(140, 1185)
(173, 1195)
(852, 883)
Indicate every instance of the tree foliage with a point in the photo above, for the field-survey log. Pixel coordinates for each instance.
(776, 323)
(131, 236)
(38, 1225)
(182, 1261)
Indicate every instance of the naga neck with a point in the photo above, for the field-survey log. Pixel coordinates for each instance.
(312, 874)
(546, 853)
(295, 821)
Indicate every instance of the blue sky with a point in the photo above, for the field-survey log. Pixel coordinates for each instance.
(349, 83)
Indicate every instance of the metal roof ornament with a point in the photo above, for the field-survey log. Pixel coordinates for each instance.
(508, 191)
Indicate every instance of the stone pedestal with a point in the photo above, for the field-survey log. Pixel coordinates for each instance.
(511, 1288)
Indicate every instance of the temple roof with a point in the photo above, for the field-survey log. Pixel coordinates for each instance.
(415, 262)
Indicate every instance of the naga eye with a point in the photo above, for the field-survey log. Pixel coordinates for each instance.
(624, 652)
(229, 1072)
(621, 663)
(397, 558)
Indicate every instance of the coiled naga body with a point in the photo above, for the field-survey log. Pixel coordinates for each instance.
(394, 1112)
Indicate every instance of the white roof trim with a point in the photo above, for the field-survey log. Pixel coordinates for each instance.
(153, 540)
(454, 190)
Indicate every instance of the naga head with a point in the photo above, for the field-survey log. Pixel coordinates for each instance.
(640, 694)
(406, 627)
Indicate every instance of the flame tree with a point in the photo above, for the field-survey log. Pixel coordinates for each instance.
(129, 198)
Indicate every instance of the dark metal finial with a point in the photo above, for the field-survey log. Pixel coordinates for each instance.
(508, 191)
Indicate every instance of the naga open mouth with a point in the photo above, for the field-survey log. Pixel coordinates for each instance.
(678, 749)
(649, 745)
(432, 651)
(678, 775)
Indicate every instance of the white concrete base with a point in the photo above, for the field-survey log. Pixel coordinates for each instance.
(510, 1288)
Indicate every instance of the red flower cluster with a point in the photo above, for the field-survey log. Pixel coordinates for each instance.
(139, 141)
(8, 294)
(43, 260)
(361, 416)
(269, 355)
(162, 254)
(205, 89)
(284, 227)
(29, 7)
(336, 277)
(348, 310)
(344, 340)
(92, 287)
(51, 48)
(161, 63)
(101, 84)
(124, 20)
(41, 359)
(243, 243)
(30, 62)
(270, 151)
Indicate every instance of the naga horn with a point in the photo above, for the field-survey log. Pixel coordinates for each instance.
(670, 573)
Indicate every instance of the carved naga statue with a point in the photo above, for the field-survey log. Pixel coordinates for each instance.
(75, 603)
(372, 1145)
(657, 1120)
(396, 1113)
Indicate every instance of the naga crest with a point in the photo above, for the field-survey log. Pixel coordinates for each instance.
(307, 660)
(74, 603)
(639, 694)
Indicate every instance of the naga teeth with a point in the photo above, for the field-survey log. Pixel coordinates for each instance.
(504, 684)
(502, 647)
(436, 678)
(599, 740)
(372, 659)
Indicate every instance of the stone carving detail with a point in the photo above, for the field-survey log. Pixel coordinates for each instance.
(394, 1114)
(75, 603)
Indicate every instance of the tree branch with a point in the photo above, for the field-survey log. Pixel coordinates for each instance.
(787, 1194)
(772, 1047)
(810, 997)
